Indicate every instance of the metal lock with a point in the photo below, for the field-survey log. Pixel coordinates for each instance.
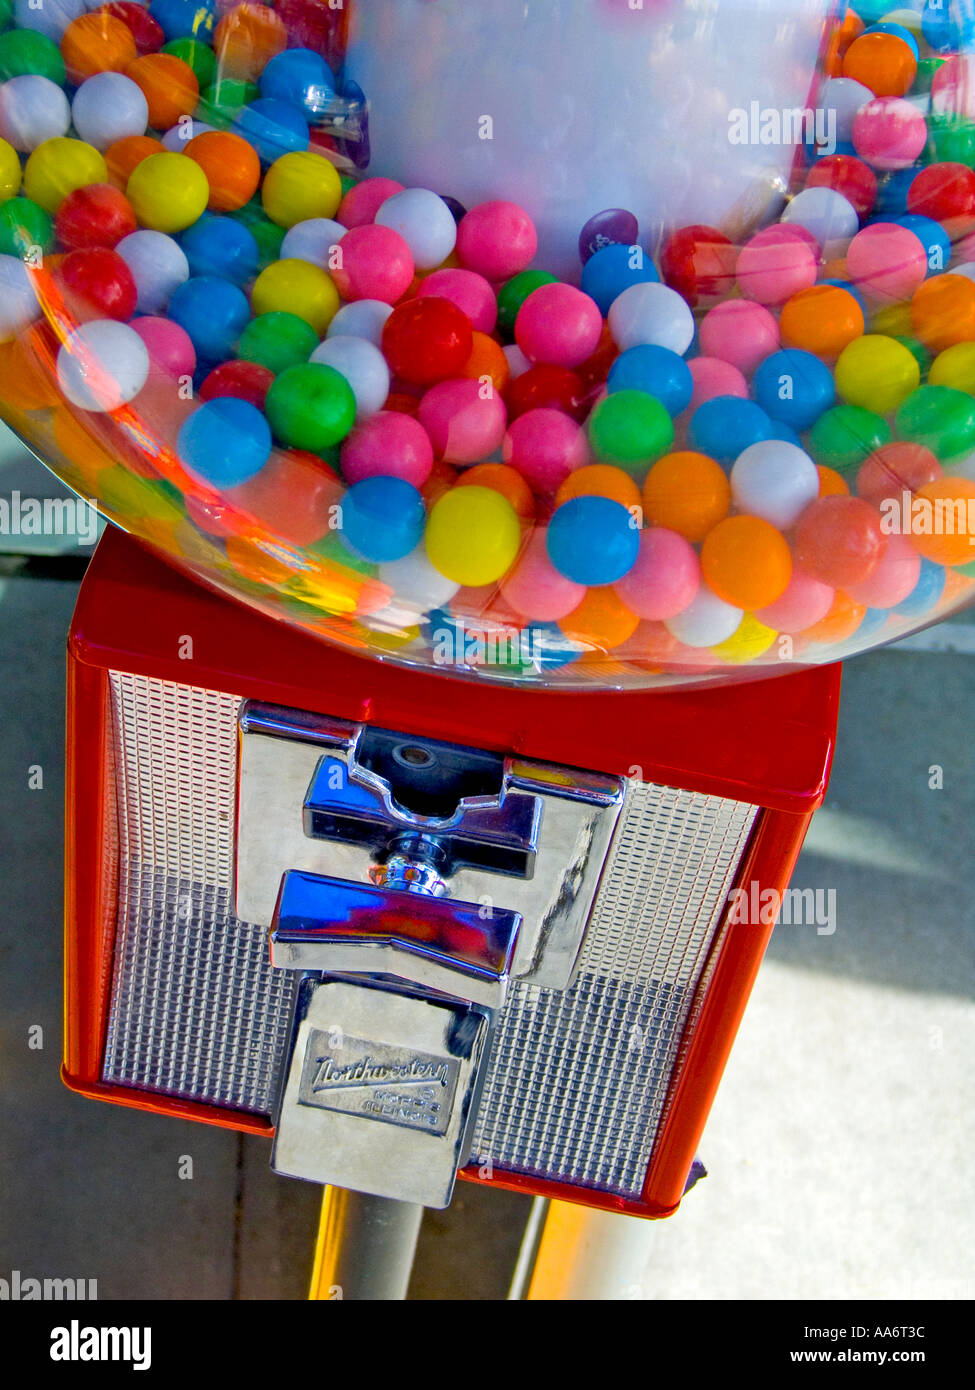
(409, 880)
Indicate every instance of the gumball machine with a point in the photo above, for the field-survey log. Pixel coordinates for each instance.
(515, 414)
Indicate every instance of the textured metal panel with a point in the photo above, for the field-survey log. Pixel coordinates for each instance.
(578, 1080)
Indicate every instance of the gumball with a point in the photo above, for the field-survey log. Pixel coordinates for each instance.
(300, 77)
(614, 269)
(364, 368)
(107, 108)
(146, 31)
(545, 446)
(363, 200)
(416, 583)
(313, 239)
(158, 265)
(224, 442)
(559, 326)
(507, 481)
(170, 349)
(231, 166)
(852, 178)
(951, 87)
(50, 19)
(487, 363)
(277, 341)
(794, 387)
(169, 86)
(839, 541)
(388, 444)
(96, 43)
(774, 264)
(425, 223)
(470, 292)
(248, 38)
(59, 166)
(294, 496)
(95, 216)
(876, 373)
(512, 296)
(168, 192)
(601, 480)
(473, 535)
(711, 377)
(176, 139)
(297, 287)
(699, 263)
(299, 186)
(535, 589)
(213, 312)
(941, 418)
(102, 365)
(366, 318)
(601, 623)
(826, 214)
(945, 193)
(894, 578)
(10, 175)
(97, 284)
(706, 621)
(821, 320)
(651, 313)
(222, 247)
(665, 578)
(427, 340)
(889, 133)
(686, 492)
(123, 155)
(632, 429)
(593, 540)
(724, 426)
(375, 264)
(497, 239)
(273, 128)
(943, 312)
(949, 536)
(546, 387)
(746, 561)
(927, 592)
(244, 381)
(804, 602)
(22, 225)
(884, 62)
(18, 298)
(775, 481)
(32, 110)
(464, 424)
(656, 371)
(894, 469)
(843, 437)
(311, 406)
(955, 366)
(740, 332)
(611, 227)
(518, 363)
(26, 52)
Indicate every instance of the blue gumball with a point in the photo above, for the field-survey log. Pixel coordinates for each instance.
(873, 620)
(926, 592)
(934, 238)
(892, 195)
(899, 31)
(221, 246)
(725, 426)
(656, 370)
(614, 269)
(214, 312)
(794, 387)
(185, 19)
(302, 78)
(273, 128)
(382, 519)
(225, 442)
(947, 27)
(593, 540)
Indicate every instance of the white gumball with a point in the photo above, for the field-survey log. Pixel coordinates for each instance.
(774, 480)
(967, 268)
(417, 586)
(109, 107)
(18, 300)
(826, 215)
(364, 368)
(32, 109)
(313, 241)
(706, 621)
(425, 223)
(102, 365)
(178, 136)
(518, 363)
(49, 17)
(158, 265)
(840, 99)
(651, 313)
(364, 318)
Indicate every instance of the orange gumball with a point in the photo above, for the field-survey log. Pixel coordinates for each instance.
(487, 362)
(231, 165)
(841, 622)
(96, 43)
(831, 483)
(943, 311)
(443, 477)
(602, 620)
(884, 63)
(688, 493)
(122, 157)
(746, 561)
(822, 319)
(839, 41)
(169, 86)
(600, 480)
(950, 517)
(504, 479)
(247, 39)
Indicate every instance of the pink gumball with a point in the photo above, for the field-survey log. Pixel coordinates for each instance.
(497, 239)
(712, 377)
(740, 332)
(359, 206)
(894, 578)
(545, 446)
(664, 579)
(775, 264)
(889, 133)
(953, 87)
(376, 264)
(559, 326)
(535, 589)
(465, 424)
(390, 444)
(804, 602)
(887, 261)
(170, 347)
(471, 293)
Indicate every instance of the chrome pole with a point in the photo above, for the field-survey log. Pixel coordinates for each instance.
(365, 1247)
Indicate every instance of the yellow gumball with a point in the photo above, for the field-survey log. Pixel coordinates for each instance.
(877, 373)
(9, 172)
(59, 166)
(473, 535)
(168, 192)
(299, 186)
(955, 367)
(296, 287)
(751, 640)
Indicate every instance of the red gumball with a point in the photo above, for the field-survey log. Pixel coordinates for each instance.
(427, 340)
(99, 215)
(97, 284)
(295, 495)
(317, 24)
(147, 32)
(847, 175)
(945, 192)
(839, 541)
(547, 387)
(894, 469)
(699, 263)
(247, 381)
